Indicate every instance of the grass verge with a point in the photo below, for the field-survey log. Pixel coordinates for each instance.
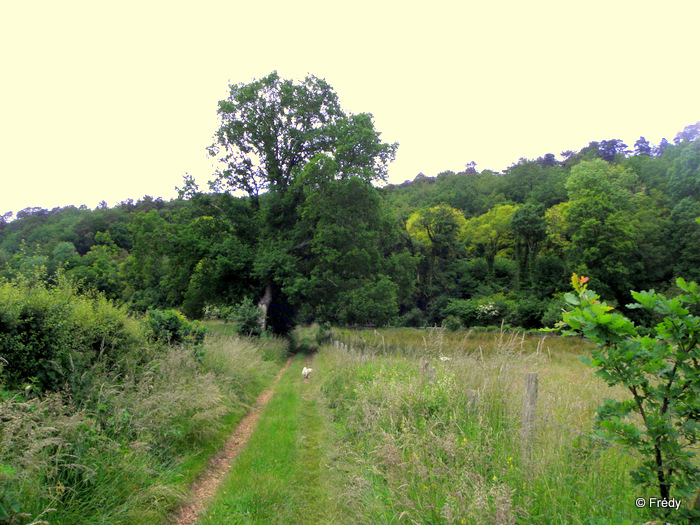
(128, 454)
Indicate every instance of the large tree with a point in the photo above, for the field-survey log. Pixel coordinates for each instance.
(293, 142)
(271, 127)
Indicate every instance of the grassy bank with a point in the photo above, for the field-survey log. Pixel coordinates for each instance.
(127, 422)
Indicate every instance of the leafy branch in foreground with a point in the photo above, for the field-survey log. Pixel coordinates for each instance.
(662, 374)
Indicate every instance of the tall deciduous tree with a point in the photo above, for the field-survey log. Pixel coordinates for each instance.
(530, 230)
(439, 233)
(293, 140)
(492, 231)
(270, 128)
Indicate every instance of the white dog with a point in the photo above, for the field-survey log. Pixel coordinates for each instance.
(306, 373)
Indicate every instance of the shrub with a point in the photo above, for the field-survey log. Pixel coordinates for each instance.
(247, 317)
(172, 327)
(552, 312)
(528, 312)
(451, 323)
(486, 311)
(370, 303)
(661, 374)
(48, 334)
(415, 317)
(463, 309)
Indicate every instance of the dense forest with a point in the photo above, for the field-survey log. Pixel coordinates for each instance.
(298, 220)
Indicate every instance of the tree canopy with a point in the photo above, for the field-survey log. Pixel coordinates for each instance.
(271, 127)
(294, 223)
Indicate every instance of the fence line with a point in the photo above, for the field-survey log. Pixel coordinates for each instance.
(529, 419)
(592, 438)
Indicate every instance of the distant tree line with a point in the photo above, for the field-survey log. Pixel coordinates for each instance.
(312, 239)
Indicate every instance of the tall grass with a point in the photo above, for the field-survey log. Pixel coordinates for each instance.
(143, 430)
(429, 427)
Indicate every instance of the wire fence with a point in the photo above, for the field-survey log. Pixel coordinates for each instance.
(528, 424)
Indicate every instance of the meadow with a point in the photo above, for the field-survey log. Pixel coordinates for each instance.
(394, 426)
(428, 430)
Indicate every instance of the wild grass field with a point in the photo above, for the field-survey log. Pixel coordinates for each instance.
(394, 426)
(428, 428)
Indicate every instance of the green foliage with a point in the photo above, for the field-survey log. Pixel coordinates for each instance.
(172, 327)
(339, 275)
(414, 317)
(371, 303)
(685, 238)
(10, 506)
(491, 233)
(53, 334)
(485, 311)
(441, 227)
(127, 450)
(451, 323)
(661, 372)
(684, 172)
(310, 338)
(528, 312)
(325, 240)
(246, 317)
(271, 127)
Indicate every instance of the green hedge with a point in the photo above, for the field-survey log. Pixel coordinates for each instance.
(49, 333)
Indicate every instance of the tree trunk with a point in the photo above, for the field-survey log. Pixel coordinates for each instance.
(264, 304)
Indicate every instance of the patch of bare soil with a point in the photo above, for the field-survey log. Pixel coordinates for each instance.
(204, 488)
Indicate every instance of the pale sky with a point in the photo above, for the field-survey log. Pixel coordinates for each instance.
(116, 100)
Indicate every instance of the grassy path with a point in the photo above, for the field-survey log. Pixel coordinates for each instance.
(204, 489)
(279, 476)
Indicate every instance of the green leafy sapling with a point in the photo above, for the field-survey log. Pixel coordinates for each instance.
(661, 372)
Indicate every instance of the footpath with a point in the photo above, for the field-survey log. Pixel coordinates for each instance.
(270, 470)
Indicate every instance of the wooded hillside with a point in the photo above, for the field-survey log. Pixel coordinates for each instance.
(315, 231)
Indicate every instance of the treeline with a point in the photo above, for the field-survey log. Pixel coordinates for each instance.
(314, 240)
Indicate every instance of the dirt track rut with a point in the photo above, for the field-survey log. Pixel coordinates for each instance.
(205, 487)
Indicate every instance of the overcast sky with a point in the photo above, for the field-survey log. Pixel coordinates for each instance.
(116, 100)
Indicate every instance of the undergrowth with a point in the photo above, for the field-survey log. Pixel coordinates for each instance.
(126, 422)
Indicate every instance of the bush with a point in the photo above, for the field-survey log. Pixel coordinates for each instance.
(247, 317)
(172, 327)
(370, 303)
(552, 312)
(127, 454)
(415, 318)
(50, 334)
(486, 311)
(451, 323)
(528, 312)
(463, 309)
(661, 374)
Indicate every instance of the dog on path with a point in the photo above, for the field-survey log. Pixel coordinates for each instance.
(306, 372)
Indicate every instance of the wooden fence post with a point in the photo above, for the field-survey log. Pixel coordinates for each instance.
(529, 416)
(472, 400)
